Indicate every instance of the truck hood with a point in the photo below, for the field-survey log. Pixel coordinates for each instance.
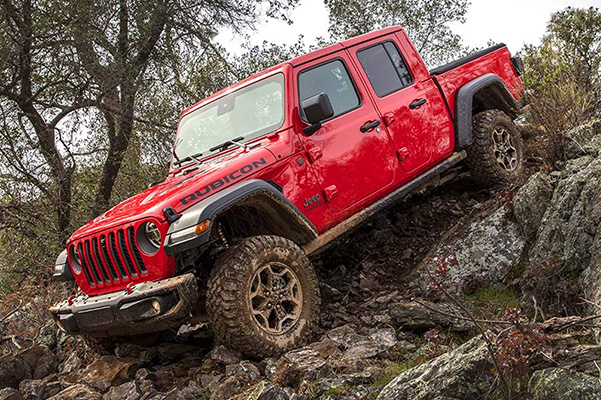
(183, 189)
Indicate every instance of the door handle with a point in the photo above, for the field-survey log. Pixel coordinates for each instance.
(370, 125)
(417, 104)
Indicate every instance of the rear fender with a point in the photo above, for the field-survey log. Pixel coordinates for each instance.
(483, 93)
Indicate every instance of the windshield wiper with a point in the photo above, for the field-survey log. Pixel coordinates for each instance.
(188, 158)
(227, 143)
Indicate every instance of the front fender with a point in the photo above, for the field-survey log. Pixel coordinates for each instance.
(211, 207)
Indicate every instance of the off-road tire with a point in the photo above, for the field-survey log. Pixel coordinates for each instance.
(481, 157)
(230, 288)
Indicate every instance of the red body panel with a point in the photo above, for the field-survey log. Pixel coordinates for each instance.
(328, 176)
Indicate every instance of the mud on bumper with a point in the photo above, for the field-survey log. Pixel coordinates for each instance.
(146, 307)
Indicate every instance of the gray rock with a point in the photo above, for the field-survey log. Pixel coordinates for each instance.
(32, 389)
(364, 349)
(210, 382)
(53, 388)
(77, 392)
(273, 392)
(224, 355)
(305, 359)
(13, 370)
(531, 201)
(126, 391)
(47, 336)
(187, 393)
(243, 368)
(464, 373)
(41, 361)
(385, 336)
(414, 316)
(10, 394)
(265, 391)
(559, 384)
(110, 369)
(345, 336)
(486, 252)
(175, 351)
(582, 140)
(129, 350)
(143, 374)
(230, 386)
(71, 364)
(566, 252)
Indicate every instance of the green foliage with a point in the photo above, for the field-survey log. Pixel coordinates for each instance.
(426, 23)
(563, 75)
(392, 371)
(492, 301)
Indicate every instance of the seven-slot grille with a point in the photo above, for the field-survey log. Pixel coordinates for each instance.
(110, 258)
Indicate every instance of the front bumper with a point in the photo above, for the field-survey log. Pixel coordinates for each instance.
(146, 307)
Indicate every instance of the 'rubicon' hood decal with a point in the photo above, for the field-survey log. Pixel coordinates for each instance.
(182, 190)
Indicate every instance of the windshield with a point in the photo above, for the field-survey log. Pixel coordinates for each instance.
(250, 112)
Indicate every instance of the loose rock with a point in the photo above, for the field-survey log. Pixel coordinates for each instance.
(559, 384)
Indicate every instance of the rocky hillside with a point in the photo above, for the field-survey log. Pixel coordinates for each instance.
(455, 294)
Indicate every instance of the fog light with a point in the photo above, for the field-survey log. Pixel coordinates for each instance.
(156, 306)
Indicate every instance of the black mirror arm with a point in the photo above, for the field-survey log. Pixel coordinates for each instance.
(311, 129)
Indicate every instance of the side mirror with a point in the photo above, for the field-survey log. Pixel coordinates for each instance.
(316, 108)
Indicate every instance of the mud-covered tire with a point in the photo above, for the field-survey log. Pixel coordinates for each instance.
(487, 157)
(236, 310)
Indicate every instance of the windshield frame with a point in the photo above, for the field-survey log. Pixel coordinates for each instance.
(245, 84)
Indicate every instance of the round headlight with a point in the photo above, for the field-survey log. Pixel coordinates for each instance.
(153, 234)
(148, 237)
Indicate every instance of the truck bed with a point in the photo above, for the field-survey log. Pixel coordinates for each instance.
(496, 59)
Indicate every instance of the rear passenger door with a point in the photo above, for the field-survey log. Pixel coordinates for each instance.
(351, 155)
(401, 99)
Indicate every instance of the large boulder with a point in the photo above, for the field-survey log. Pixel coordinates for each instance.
(559, 384)
(584, 140)
(13, 370)
(424, 315)
(486, 251)
(464, 373)
(531, 201)
(41, 360)
(77, 392)
(110, 369)
(565, 248)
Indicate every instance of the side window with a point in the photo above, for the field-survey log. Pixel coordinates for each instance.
(385, 68)
(333, 79)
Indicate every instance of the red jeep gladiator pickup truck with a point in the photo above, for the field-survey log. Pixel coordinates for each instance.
(270, 170)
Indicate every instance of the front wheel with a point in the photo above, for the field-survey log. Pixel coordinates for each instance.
(263, 297)
(496, 153)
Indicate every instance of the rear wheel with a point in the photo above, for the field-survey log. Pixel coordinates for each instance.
(263, 296)
(496, 153)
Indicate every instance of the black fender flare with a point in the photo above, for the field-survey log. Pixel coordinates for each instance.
(211, 207)
(464, 101)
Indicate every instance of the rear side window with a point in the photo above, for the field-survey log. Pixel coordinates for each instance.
(333, 79)
(385, 68)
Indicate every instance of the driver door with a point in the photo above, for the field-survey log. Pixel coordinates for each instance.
(351, 162)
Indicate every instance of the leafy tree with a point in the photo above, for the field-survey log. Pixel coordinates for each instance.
(84, 87)
(563, 74)
(426, 22)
